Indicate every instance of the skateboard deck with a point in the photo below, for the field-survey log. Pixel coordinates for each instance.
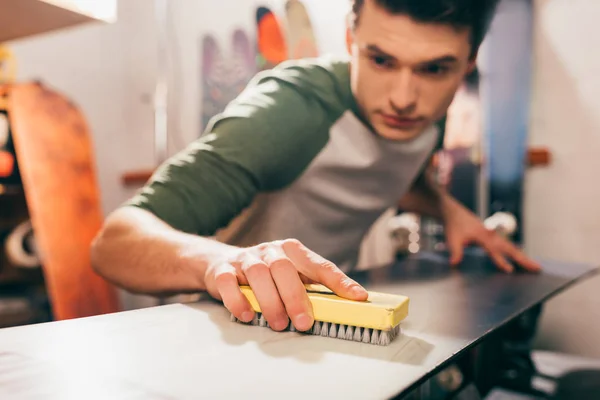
(213, 78)
(225, 75)
(57, 169)
(300, 35)
(507, 64)
(243, 62)
(271, 41)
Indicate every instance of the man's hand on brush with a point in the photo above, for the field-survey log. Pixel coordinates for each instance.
(276, 272)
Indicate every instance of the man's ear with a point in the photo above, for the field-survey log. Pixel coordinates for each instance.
(472, 63)
(349, 33)
(349, 40)
(471, 67)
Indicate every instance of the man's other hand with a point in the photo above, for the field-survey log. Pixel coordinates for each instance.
(463, 227)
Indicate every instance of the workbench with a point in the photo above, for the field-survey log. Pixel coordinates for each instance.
(192, 351)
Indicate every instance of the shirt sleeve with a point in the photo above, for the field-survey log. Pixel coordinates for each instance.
(261, 142)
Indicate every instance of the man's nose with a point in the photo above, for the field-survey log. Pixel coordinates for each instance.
(403, 97)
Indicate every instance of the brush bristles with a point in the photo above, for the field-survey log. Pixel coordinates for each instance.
(338, 331)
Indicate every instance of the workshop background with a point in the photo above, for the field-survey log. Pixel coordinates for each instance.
(110, 71)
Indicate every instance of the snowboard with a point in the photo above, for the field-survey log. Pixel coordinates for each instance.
(507, 66)
(55, 155)
(243, 62)
(213, 78)
(271, 43)
(225, 74)
(301, 40)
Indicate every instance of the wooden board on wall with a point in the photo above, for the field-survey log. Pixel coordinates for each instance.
(54, 149)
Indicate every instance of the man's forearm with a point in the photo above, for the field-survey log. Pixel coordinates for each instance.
(140, 253)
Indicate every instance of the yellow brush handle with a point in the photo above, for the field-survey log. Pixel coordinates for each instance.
(381, 311)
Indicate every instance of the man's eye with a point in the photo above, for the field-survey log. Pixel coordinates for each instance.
(381, 61)
(434, 69)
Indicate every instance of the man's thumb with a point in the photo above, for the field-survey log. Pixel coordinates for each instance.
(320, 270)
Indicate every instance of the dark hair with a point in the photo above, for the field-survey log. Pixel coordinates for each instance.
(474, 14)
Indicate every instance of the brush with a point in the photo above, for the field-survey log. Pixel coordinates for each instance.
(375, 320)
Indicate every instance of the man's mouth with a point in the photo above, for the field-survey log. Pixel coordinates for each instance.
(398, 122)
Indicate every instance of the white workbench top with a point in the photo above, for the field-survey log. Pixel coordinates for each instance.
(194, 351)
(191, 351)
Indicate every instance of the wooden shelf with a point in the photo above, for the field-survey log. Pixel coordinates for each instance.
(538, 156)
(24, 18)
(137, 177)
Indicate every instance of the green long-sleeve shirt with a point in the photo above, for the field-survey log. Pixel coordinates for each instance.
(289, 158)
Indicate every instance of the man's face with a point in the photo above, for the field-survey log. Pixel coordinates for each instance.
(404, 74)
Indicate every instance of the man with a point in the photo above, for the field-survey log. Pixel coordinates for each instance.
(293, 173)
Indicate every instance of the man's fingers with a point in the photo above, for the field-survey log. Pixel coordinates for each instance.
(498, 258)
(520, 258)
(290, 287)
(499, 249)
(502, 263)
(259, 277)
(455, 247)
(229, 292)
(489, 242)
(323, 271)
